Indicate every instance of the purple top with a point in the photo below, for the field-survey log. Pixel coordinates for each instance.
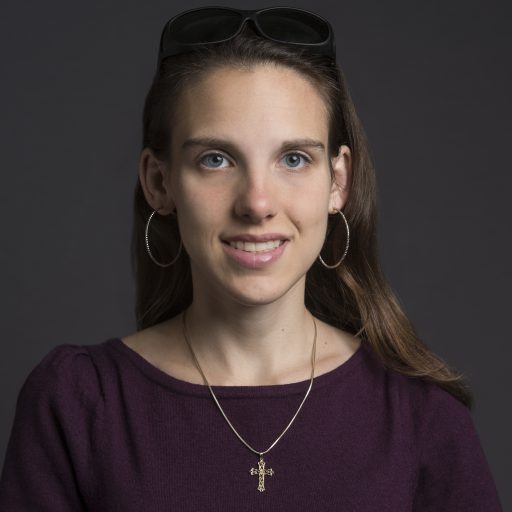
(99, 428)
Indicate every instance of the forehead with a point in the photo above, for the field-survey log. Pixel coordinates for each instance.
(259, 104)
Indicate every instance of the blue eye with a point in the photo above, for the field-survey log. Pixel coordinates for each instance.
(295, 159)
(213, 159)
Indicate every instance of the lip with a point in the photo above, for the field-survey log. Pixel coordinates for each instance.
(247, 237)
(254, 260)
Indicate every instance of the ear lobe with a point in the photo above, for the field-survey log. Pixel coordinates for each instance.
(153, 179)
(342, 169)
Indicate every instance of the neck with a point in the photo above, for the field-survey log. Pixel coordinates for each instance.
(237, 344)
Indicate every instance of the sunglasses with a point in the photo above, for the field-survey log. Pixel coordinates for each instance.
(206, 25)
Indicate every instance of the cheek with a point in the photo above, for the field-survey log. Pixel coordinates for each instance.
(200, 214)
(195, 219)
(310, 218)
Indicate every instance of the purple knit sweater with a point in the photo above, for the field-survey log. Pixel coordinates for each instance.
(98, 428)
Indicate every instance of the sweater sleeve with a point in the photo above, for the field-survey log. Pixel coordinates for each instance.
(454, 474)
(58, 410)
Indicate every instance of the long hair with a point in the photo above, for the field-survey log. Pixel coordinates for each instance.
(355, 296)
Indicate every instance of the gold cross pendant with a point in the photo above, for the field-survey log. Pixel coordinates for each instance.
(261, 472)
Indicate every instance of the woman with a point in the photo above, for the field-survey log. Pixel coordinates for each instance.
(272, 367)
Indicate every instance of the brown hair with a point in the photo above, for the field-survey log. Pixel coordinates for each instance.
(355, 296)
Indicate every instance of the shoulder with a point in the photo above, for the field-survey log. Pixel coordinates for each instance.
(427, 401)
(439, 428)
(65, 371)
(443, 420)
(435, 432)
(427, 392)
(424, 410)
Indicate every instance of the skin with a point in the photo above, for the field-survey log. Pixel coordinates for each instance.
(247, 326)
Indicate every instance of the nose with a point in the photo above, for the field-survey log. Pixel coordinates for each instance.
(255, 200)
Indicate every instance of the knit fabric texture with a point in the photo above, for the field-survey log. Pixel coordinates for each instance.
(99, 428)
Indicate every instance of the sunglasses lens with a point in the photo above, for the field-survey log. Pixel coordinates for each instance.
(289, 25)
(204, 26)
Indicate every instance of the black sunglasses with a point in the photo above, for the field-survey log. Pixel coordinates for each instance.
(205, 25)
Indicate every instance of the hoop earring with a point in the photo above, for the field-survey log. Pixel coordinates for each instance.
(149, 250)
(346, 247)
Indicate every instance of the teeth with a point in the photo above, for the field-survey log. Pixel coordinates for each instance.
(256, 247)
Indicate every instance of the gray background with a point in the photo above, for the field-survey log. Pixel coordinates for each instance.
(431, 82)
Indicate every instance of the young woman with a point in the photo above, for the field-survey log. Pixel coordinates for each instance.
(272, 368)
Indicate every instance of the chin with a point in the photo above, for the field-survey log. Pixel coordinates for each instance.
(262, 300)
(261, 293)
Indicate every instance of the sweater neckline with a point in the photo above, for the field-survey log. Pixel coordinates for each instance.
(273, 390)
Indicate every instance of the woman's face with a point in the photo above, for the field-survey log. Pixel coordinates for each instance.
(266, 173)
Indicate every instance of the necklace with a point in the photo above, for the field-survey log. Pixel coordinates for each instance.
(260, 471)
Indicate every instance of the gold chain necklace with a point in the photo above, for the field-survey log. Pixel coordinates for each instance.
(260, 471)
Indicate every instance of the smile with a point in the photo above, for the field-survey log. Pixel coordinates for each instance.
(256, 246)
(255, 255)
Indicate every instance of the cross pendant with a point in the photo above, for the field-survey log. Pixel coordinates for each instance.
(261, 472)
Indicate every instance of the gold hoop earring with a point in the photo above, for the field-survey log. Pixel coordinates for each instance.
(346, 247)
(149, 250)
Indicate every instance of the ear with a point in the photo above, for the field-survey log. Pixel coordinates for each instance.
(342, 168)
(154, 179)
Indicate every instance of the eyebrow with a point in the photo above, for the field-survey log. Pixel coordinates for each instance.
(216, 142)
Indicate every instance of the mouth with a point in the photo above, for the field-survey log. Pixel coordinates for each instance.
(255, 247)
(254, 255)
